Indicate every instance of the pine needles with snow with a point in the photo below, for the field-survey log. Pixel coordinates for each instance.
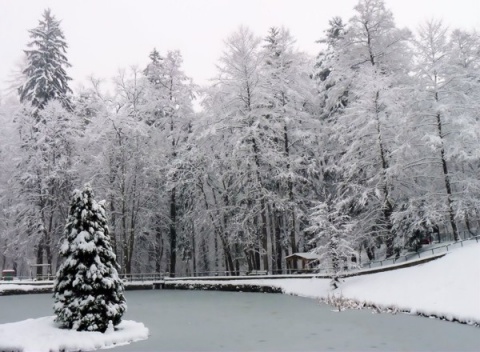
(87, 290)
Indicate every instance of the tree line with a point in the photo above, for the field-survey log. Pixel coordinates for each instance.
(365, 150)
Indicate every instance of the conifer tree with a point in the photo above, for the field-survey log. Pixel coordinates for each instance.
(333, 87)
(45, 75)
(88, 292)
(154, 70)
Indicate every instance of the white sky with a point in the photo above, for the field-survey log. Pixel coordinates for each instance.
(104, 36)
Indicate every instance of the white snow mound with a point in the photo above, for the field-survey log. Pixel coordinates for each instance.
(43, 335)
(449, 286)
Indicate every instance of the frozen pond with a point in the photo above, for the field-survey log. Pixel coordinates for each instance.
(226, 321)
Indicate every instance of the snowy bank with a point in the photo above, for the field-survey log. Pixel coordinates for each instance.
(43, 335)
(13, 289)
(448, 287)
(17, 289)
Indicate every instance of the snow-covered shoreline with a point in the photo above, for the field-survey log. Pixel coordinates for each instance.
(447, 288)
(18, 289)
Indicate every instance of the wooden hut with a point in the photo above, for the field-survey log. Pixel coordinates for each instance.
(305, 262)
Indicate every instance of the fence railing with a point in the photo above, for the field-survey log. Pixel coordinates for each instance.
(419, 254)
(28, 279)
(213, 274)
(141, 277)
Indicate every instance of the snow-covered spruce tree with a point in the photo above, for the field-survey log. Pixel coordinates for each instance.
(87, 290)
(45, 76)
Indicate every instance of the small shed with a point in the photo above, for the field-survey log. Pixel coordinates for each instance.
(8, 274)
(304, 262)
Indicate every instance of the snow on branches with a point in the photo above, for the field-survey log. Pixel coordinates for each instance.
(88, 292)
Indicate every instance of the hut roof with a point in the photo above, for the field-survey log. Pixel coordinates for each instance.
(308, 256)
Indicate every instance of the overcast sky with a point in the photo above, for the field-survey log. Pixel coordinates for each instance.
(106, 35)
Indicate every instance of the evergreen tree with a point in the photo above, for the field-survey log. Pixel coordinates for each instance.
(45, 76)
(88, 292)
(333, 88)
(154, 70)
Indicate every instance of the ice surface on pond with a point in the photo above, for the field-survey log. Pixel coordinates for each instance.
(226, 321)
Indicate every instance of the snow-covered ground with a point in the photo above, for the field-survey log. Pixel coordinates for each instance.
(447, 287)
(47, 286)
(17, 287)
(43, 335)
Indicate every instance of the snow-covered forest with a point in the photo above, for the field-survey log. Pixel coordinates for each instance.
(372, 147)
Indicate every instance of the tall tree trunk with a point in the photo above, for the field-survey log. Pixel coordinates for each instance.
(387, 207)
(249, 257)
(293, 225)
(271, 225)
(446, 178)
(124, 233)
(49, 234)
(216, 255)
(263, 214)
(158, 248)
(230, 267)
(4, 258)
(286, 151)
(173, 232)
(131, 243)
(113, 223)
(278, 240)
(263, 217)
(133, 218)
(40, 258)
(256, 246)
(194, 252)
